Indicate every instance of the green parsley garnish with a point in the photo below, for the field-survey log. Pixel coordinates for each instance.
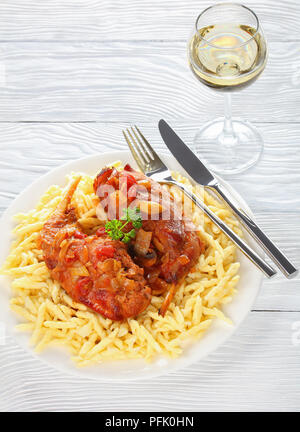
(114, 228)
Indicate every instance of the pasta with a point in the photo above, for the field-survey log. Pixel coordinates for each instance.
(52, 317)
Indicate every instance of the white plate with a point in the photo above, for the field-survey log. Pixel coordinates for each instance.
(59, 358)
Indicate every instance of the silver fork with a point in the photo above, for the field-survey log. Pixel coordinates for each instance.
(152, 166)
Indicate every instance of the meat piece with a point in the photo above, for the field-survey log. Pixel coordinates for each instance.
(178, 249)
(175, 242)
(94, 270)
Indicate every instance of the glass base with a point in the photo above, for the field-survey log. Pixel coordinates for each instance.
(228, 154)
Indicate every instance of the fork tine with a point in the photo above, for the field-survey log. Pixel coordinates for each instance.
(145, 149)
(138, 149)
(150, 150)
(135, 155)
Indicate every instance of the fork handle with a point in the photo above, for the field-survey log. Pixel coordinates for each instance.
(249, 252)
(285, 266)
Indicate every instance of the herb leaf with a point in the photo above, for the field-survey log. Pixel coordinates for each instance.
(128, 236)
(114, 228)
(133, 215)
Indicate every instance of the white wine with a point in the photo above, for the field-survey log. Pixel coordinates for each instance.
(227, 56)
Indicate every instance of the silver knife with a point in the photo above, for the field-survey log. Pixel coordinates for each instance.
(200, 174)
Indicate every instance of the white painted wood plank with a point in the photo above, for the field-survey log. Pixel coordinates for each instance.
(281, 293)
(130, 81)
(272, 189)
(120, 19)
(257, 369)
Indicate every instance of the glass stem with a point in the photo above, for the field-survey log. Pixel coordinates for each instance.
(228, 129)
(228, 138)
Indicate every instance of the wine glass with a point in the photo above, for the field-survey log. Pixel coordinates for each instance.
(227, 51)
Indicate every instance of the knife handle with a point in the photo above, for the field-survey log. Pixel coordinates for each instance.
(250, 253)
(285, 266)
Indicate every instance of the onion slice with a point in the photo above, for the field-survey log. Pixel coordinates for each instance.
(142, 242)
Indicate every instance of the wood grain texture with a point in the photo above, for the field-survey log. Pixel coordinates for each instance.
(120, 19)
(109, 63)
(258, 369)
(134, 81)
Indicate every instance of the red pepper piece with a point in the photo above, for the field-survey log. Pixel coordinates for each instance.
(106, 251)
(127, 167)
(79, 235)
(130, 179)
(100, 231)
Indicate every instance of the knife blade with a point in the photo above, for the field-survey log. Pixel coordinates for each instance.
(187, 159)
(202, 175)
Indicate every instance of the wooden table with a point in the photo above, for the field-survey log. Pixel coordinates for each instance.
(72, 75)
